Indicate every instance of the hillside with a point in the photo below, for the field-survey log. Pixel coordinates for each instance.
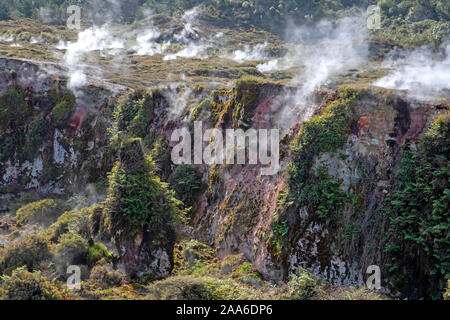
(115, 158)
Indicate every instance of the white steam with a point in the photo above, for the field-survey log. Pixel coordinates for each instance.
(89, 40)
(249, 54)
(322, 51)
(421, 72)
(8, 38)
(146, 45)
(334, 50)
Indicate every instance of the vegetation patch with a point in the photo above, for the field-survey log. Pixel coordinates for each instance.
(418, 213)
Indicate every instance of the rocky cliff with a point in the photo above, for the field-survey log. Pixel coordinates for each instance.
(327, 210)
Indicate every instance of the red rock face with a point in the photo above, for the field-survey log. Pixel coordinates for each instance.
(75, 121)
(238, 219)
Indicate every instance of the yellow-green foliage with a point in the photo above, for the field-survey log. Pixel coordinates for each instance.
(194, 258)
(97, 252)
(137, 200)
(302, 287)
(246, 94)
(418, 213)
(446, 294)
(202, 288)
(29, 251)
(44, 211)
(75, 221)
(203, 108)
(71, 249)
(25, 285)
(104, 276)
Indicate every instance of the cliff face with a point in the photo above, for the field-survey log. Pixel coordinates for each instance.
(52, 142)
(244, 212)
(323, 210)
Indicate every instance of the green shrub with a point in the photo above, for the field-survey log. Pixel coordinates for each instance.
(71, 249)
(323, 195)
(29, 251)
(62, 110)
(186, 181)
(14, 107)
(418, 213)
(25, 285)
(137, 200)
(44, 211)
(134, 113)
(75, 221)
(204, 288)
(104, 276)
(303, 286)
(97, 252)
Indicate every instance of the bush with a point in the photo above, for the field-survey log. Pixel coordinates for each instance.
(44, 211)
(203, 288)
(303, 286)
(137, 200)
(418, 234)
(75, 221)
(29, 252)
(186, 181)
(62, 111)
(104, 276)
(97, 252)
(71, 249)
(25, 285)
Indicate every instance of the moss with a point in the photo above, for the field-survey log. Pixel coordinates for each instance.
(64, 105)
(203, 108)
(44, 211)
